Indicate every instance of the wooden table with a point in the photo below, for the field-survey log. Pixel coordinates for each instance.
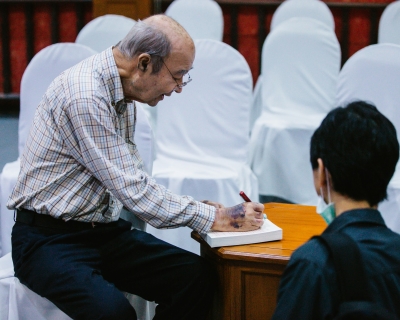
(249, 275)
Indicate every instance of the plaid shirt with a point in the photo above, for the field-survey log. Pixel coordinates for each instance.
(81, 163)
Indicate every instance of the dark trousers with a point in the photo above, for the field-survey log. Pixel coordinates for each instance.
(84, 272)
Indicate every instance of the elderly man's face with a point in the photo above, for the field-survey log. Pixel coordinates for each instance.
(152, 88)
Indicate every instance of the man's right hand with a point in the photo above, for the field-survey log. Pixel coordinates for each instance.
(246, 216)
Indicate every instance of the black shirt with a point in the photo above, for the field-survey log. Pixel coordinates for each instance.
(308, 288)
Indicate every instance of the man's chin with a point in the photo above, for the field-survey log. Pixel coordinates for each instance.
(153, 103)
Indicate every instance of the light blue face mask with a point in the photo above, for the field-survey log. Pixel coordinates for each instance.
(327, 211)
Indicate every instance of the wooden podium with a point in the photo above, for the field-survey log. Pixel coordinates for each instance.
(249, 275)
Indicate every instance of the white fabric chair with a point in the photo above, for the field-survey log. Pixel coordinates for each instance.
(17, 301)
(104, 31)
(202, 19)
(43, 68)
(373, 74)
(288, 9)
(202, 135)
(389, 24)
(301, 66)
(303, 8)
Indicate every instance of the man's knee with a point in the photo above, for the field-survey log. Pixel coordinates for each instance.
(202, 274)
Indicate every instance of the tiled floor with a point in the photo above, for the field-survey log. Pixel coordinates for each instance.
(8, 140)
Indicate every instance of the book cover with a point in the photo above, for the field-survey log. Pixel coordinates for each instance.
(268, 232)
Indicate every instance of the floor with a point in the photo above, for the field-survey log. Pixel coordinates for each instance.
(8, 140)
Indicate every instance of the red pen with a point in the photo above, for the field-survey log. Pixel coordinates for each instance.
(247, 199)
(243, 195)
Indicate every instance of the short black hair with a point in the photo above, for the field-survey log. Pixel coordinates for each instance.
(359, 148)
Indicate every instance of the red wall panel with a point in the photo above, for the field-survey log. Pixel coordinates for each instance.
(17, 43)
(42, 30)
(42, 12)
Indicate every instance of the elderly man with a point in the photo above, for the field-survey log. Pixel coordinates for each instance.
(81, 166)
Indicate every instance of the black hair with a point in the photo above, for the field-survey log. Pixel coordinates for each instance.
(359, 148)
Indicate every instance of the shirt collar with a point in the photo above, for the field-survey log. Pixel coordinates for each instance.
(114, 81)
(371, 216)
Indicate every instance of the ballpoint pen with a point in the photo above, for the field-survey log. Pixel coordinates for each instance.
(247, 199)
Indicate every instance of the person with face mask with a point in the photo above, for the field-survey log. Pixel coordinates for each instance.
(353, 155)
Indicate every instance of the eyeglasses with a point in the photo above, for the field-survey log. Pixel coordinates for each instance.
(185, 78)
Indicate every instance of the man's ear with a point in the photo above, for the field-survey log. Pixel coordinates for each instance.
(319, 173)
(144, 60)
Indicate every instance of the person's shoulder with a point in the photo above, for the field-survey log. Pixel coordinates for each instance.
(313, 251)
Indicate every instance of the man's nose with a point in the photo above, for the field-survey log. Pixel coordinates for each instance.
(178, 89)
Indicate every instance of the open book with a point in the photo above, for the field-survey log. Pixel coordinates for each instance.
(268, 232)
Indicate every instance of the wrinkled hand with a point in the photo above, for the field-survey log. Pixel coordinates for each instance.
(214, 204)
(246, 216)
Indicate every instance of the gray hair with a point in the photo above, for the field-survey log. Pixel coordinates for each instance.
(144, 38)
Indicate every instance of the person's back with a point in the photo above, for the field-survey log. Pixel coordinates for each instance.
(352, 145)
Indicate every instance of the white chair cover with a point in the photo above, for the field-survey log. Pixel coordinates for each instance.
(373, 74)
(17, 302)
(104, 31)
(303, 8)
(301, 66)
(202, 134)
(389, 24)
(43, 68)
(314, 9)
(202, 19)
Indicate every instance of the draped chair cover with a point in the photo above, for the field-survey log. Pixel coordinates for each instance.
(43, 68)
(389, 24)
(373, 74)
(301, 66)
(202, 19)
(202, 134)
(302, 8)
(16, 300)
(104, 31)
(288, 9)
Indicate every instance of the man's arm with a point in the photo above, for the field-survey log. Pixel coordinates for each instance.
(89, 132)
